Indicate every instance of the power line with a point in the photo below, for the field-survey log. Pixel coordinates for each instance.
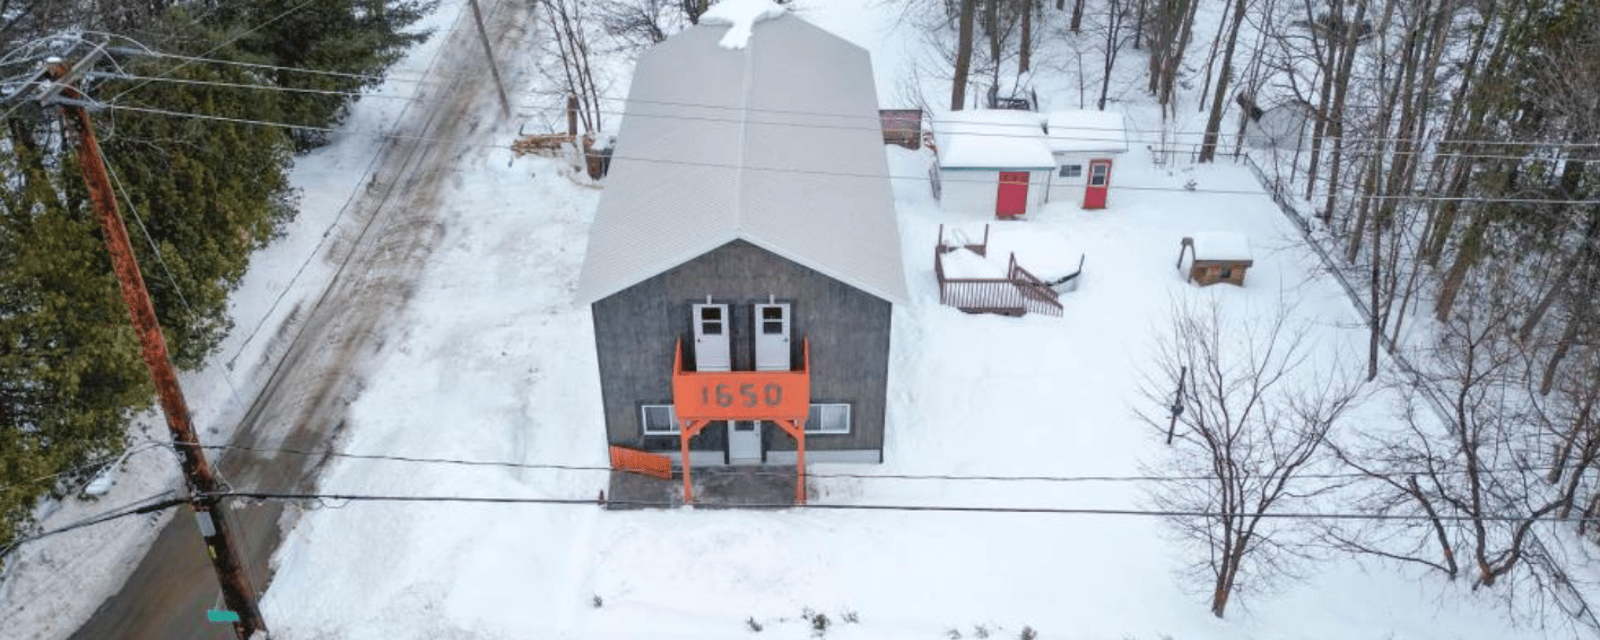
(219, 47)
(241, 85)
(151, 504)
(845, 174)
(858, 476)
(811, 506)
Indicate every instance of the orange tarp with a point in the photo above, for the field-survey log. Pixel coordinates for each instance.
(649, 464)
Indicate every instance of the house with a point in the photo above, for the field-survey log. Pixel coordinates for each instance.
(991, 160)
(1084, 144)
(1216, 257)
(744, 258)
(1013, 162)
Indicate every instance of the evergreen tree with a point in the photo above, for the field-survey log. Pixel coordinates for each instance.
(360, 38)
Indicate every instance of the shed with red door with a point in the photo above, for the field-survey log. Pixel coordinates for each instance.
(991, 161)
(1084, 145)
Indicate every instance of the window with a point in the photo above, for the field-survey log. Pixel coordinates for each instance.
(1071, 170)
(1227, 272)
(772, 320)
(828, 419)
(658, 420)
(711, 320)
(1098, 173)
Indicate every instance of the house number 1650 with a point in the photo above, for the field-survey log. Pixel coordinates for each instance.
(771, 395)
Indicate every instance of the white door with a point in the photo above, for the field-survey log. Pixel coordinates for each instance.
(711, 338)
(772, 338)
(744, 442)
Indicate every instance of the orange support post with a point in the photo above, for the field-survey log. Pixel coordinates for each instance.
(784, 397)
(683, 441)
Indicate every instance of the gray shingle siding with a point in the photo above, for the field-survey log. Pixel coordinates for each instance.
(637, 328)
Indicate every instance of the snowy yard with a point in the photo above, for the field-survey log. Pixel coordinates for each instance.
(497, 364)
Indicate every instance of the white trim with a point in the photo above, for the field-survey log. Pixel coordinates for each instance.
(822, 429)
(644, 420)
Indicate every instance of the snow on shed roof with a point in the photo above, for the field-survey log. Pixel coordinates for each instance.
(991, 139)
(764, 144)
(1082, 131)
(1219, 245)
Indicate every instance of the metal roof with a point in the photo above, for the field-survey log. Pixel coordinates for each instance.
(776, 144)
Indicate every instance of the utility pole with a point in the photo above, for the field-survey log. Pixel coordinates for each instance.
(210, 513)
(488, 54)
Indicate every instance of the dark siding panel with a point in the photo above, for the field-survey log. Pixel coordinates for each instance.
(636, 329)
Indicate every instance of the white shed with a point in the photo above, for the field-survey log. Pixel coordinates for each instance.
(1083, 145)
(991, 160)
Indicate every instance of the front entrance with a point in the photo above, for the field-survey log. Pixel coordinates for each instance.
(744, 442)
(1012, 199)
(1094, 195)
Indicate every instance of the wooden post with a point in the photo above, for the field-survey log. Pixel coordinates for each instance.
(800, 472)
(572, 119)
(210, 512)
(683, 441)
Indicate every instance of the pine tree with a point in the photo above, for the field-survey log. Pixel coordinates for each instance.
(358, 37)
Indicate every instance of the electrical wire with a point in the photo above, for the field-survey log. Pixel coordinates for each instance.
(844, 174)
(151, 504)
(241, 35)
(854, 476)
(873, 120)
(946, 508)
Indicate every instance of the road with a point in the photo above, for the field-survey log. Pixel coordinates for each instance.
(390, 231)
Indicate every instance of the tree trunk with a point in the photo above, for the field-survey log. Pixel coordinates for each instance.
(1219, 102)
(1077, 14)
(1025, 56)
(958, 86)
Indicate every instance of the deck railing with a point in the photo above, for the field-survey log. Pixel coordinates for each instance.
(1018, 293)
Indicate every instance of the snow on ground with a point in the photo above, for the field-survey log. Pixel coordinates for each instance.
(51, 586)
(498, 364)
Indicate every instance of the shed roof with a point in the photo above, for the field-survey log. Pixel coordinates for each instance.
(1083, 131)
(991, 139)
(776, 144)
(1220, 245)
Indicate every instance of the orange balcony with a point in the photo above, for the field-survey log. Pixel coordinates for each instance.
(742, 395)
(782, 397)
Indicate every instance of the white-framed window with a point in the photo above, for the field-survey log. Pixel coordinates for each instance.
(1071, 170)
(828, 419)
(658, 420)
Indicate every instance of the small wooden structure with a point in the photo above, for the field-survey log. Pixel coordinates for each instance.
(901, 127)
(1018, 292)
(1216, 257)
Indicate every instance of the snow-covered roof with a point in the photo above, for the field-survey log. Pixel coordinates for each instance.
(991, 139)
(1082, 131)
(740, 16)
(1221, 246)
(775, 144)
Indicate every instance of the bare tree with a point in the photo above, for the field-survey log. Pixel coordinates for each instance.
(1113, 35)
(1253, 418)
(963, 63)
(1219, 101)
(1474, 504)
(567, 21)
(637, 24)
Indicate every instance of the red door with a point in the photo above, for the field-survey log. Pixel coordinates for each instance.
(1094, 195)
(1012, 200)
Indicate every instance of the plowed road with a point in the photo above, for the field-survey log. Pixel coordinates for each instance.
(388, 234)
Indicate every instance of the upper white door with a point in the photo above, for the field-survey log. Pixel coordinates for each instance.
(772, 338)
(711, 338)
